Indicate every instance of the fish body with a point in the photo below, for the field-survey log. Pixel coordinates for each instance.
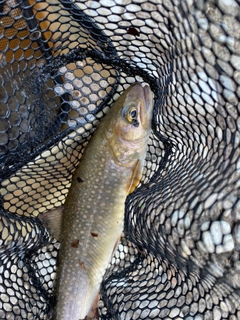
(109, 170)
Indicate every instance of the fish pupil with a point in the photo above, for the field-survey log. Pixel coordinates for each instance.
(133, 114)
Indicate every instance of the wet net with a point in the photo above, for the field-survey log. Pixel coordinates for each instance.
(62, 64)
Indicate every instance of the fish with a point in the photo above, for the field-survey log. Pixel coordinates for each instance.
(92, 223)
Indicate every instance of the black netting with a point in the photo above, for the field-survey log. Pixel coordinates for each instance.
(62, 64)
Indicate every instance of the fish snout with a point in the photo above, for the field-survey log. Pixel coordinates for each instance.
(148, 97)
(147, 106)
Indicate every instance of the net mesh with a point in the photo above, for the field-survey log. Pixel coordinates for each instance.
(62, 64)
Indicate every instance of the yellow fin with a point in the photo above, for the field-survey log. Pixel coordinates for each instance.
(136, 177)
(53, 221)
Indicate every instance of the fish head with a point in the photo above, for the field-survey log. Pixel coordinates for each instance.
(130, 124)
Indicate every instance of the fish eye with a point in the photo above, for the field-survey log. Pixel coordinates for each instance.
(131, 114)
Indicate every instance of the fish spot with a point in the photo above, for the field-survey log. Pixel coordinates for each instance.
(94, 234)
(81, 265)
(75, 244)
(80, 180)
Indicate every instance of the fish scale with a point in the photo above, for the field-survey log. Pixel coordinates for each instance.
(92, 224)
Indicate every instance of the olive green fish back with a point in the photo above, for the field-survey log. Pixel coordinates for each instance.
(62, 64)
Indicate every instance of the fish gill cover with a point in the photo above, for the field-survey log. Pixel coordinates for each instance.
(62, 64)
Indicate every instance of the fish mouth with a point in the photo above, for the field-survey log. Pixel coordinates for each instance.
(147, 107)
(148, 97)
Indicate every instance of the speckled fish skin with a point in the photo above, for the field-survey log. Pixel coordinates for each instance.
(109, 170)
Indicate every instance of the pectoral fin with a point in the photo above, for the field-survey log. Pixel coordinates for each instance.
(136, 176)
(93, 313)
(53, 221)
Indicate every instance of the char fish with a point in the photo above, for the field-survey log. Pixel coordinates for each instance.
(109, 170)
